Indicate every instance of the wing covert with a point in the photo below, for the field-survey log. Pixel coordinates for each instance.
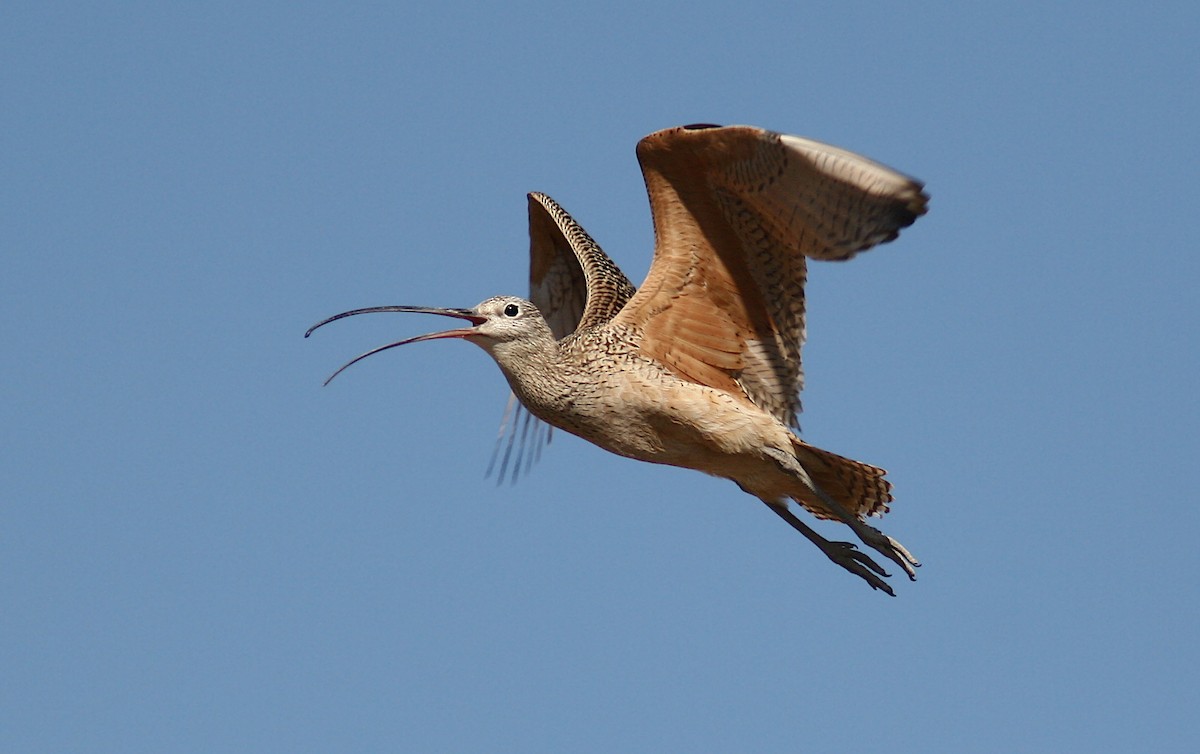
(571, 280)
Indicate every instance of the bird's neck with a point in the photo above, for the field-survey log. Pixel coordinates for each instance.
(535, 370)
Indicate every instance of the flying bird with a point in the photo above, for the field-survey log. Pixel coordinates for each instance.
(700, 367)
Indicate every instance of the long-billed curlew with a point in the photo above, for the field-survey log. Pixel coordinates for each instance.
(700, 368)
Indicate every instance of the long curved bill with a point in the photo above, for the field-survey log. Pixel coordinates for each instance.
(467, 314)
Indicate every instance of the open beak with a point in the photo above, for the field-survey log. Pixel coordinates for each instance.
(462, 332)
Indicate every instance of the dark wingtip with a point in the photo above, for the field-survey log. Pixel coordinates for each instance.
(700, 126)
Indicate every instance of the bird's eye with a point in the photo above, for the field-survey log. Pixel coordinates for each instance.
(511, 310)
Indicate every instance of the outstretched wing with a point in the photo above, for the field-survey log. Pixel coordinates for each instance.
(737, 211)
(576, 286)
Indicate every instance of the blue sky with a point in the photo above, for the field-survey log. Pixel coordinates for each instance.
(202, 549)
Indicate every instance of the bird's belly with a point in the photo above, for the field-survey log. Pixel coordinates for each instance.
(677, 424)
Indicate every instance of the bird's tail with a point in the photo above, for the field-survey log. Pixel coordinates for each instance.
(859, 487)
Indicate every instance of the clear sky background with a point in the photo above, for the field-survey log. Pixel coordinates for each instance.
(202, 549)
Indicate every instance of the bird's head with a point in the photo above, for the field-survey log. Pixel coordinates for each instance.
(499, 325)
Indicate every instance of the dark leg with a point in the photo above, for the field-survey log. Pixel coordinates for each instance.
(844, 554)
(870, 536)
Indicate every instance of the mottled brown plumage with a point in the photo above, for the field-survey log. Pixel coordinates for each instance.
(571, 280)
(700, 367)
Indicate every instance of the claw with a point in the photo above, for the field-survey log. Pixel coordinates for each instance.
(848, 556)
(891, 549)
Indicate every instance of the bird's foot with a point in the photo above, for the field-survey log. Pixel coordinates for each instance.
(848, 556)
(889, 548)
